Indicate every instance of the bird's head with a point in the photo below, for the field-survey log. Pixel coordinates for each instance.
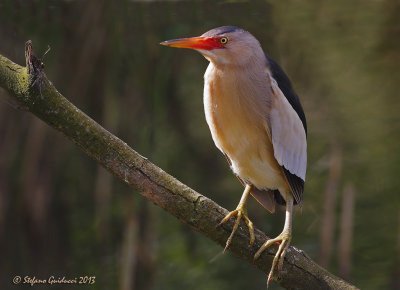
(223, 45)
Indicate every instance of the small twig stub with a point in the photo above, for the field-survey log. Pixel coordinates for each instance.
(34, 64)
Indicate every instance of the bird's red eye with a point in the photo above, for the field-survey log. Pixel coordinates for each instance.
(223, 40)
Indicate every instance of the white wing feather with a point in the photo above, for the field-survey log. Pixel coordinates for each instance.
(287, 134)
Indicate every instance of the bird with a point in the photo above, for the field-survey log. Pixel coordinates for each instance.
(257, 121)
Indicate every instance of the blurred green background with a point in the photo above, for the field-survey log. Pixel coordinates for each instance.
(62, 215)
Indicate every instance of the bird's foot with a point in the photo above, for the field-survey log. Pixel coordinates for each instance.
(241, 213)
(283, 240)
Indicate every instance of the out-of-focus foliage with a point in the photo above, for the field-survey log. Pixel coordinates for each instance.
(62, 215)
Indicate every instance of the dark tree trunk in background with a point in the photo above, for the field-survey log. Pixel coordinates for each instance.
(329, 209)
(346, 232)
(128, 258)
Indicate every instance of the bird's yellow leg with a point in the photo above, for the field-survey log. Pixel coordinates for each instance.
(241, 213)
(283, 239)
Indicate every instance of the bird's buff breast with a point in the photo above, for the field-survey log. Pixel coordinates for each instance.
(239, 133)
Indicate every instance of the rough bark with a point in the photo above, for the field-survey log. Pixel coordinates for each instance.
(33, 92)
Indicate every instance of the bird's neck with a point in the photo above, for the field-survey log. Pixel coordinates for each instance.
(242, 90)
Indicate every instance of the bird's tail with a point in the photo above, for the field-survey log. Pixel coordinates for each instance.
(265, 197)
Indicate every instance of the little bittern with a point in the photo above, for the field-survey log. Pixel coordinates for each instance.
(257, 122)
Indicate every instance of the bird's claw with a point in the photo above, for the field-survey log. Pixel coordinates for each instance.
(283, 240)
(240, 213)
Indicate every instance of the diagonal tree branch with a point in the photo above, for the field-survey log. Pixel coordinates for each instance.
(32, 90)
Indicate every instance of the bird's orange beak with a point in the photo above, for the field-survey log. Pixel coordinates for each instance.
(206, 43)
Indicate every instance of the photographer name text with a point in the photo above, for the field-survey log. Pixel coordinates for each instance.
(54, 280)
